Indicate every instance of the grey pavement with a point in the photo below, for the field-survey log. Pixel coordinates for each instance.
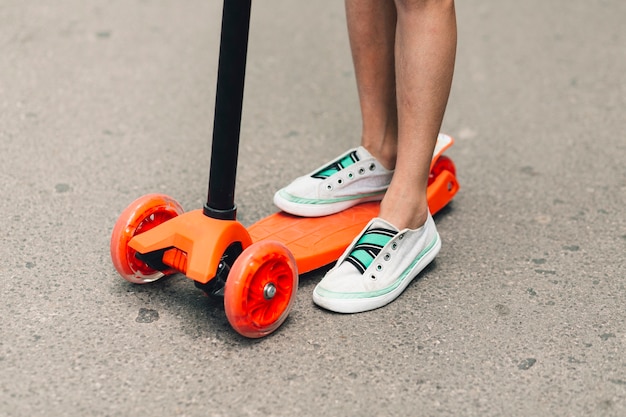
(522, 314)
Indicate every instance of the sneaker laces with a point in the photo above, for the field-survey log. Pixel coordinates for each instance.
(337, 166)
(369, 246)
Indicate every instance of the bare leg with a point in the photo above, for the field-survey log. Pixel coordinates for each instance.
(372, 31)
(424, 63)
(403, 56)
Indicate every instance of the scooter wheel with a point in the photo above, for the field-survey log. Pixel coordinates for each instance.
(260, 289)
(442, 164)
(140, 216)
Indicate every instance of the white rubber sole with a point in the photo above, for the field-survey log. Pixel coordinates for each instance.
(319, 210)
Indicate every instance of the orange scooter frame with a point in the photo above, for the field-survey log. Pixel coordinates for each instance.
(255, 270)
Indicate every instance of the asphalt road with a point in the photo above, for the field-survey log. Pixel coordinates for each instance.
(522, 314)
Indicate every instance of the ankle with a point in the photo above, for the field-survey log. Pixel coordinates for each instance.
(403, 214)
(385, 153)
(382, 144)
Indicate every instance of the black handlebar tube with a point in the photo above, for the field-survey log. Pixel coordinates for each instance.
(228, 106)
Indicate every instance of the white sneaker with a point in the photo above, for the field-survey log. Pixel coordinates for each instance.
(354, 177)
(377, 267)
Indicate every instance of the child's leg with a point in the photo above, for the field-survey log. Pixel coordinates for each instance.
(424, 62)
(372, 32)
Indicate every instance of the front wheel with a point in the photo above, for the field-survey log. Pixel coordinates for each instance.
(260, 289)
(140, 216)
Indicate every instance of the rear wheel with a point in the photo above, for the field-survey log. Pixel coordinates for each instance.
(140, 216)
(260, 289)
(443, 163)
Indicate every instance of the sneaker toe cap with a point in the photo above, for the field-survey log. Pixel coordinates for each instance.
(341, 282)
(303, 187)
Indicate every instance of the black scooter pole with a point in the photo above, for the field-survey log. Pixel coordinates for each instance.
(228, 105)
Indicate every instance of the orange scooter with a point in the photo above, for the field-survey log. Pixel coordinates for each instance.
(255, 270)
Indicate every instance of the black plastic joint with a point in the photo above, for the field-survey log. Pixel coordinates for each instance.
(230, 214)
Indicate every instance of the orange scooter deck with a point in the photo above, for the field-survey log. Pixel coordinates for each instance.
(318, 241)
(314, 241)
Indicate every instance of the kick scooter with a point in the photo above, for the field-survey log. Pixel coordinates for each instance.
(255, 270)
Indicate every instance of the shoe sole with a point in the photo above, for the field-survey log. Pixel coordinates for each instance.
(319, 210)
(359, 305)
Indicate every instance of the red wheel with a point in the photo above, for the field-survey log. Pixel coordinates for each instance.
(442, 164)
(260, 289)
(140, 216)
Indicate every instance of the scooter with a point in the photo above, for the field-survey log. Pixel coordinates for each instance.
(254, 270)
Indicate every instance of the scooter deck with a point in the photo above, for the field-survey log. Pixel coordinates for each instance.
(318, 241)
(315, 241)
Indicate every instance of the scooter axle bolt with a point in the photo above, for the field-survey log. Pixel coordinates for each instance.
(269, 291)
